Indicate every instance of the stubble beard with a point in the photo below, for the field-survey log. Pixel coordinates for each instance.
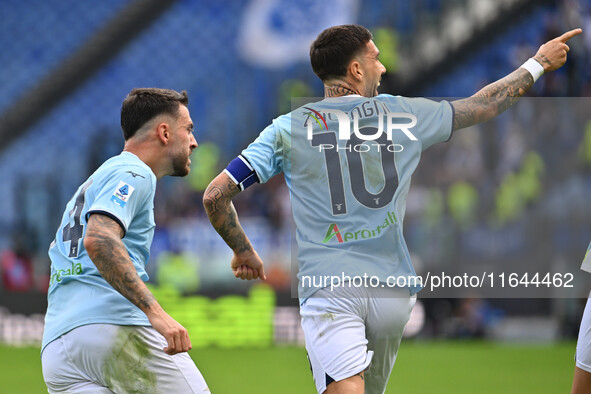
(179, 166)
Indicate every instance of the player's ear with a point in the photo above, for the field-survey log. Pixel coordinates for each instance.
(163, 132)
(355, 70)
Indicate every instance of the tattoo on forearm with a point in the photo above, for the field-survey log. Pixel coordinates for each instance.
(222, 215)
(111, 258)
(491, 100)
(212, 198)
(338, 90)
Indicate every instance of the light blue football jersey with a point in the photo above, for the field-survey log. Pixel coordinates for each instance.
(122, 188)
(348, 163)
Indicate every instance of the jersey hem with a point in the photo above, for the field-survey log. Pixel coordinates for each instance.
(76, 325)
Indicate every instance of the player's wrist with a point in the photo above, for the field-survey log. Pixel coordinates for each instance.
(534, 68)
(244, 252)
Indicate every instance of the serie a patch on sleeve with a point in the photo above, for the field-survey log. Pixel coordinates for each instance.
(122, 194)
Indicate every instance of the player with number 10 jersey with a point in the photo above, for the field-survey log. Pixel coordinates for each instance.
(349, 194)
(347, 161)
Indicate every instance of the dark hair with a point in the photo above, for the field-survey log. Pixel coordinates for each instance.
(335, 47)
(143, 104)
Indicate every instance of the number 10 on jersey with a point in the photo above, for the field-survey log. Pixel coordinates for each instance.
(356, 171)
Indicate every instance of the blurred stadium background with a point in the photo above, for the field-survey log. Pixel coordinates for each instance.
(503, 193)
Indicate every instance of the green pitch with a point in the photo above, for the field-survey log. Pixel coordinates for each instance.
(422, 367)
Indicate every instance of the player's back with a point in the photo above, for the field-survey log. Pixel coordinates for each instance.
(348, 162)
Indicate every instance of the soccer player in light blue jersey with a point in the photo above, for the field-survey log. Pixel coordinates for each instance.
(347, 161)
(104, 330)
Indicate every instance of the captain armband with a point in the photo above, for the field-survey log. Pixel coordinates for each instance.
(241, 172)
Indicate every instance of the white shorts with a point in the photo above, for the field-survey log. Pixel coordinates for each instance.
(583, 354)
(106, 358)
(361, 329)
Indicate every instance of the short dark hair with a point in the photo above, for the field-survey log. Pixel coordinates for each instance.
(143, 104)
(335, 47)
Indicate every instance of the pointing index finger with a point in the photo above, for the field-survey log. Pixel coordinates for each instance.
(569, 34)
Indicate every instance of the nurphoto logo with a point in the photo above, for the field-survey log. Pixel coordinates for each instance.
(345, 124)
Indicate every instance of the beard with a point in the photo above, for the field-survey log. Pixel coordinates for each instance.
(179, 166)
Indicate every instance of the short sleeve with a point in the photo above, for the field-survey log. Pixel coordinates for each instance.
(265, 154)
(122, 196)
(434, 120)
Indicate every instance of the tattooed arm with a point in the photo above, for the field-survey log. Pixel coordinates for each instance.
(495, 98)
(217, 200)
(108, 253)
(492, 100)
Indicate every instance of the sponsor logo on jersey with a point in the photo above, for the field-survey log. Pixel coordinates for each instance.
(122, 194)
(57, 276)
(347, 236)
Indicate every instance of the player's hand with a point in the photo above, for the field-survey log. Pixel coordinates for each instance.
(552, 55)
(248, 265)
(176, 335)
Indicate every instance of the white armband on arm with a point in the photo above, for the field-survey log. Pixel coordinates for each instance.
(535, 69)
(241, 172)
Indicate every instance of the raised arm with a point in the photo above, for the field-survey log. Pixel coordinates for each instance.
(495, 98)
(217, 200)
(108, 253)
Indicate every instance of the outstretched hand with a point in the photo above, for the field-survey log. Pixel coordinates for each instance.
(248, 265)
(552, 55)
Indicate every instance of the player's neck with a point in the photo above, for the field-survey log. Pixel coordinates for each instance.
(338, 89)
(148, 156)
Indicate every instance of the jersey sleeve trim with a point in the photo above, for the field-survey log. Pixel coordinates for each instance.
(109, 214)
(241, 172)
(453, 115)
